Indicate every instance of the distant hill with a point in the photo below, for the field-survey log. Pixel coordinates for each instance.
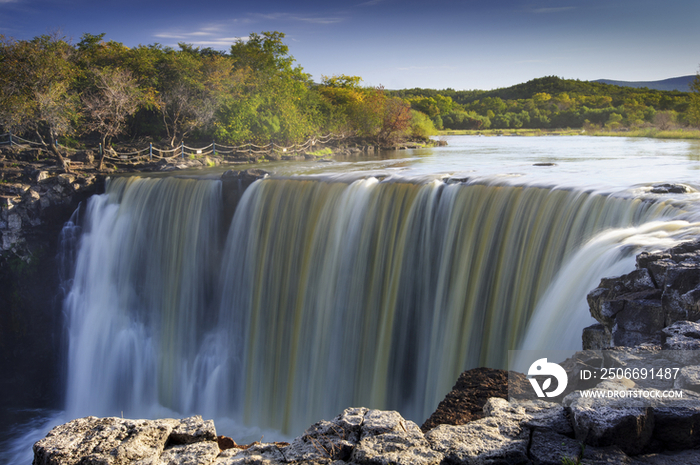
(678, 83)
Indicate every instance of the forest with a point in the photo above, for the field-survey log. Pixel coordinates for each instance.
(98, 91)
(552, 102)
(103, 91)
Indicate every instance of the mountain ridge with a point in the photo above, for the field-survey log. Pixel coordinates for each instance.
(680, 83)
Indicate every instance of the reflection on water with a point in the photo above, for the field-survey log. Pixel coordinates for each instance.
(610, 164)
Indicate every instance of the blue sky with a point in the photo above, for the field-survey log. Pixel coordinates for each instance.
(404, 44)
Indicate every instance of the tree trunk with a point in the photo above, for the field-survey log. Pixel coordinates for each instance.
(62, 162)
(51, 146)
(102, 155)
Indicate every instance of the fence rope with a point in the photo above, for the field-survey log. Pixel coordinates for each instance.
(181, 150)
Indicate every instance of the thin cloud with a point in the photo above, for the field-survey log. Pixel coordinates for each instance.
(371, 3)
(211, 36)
(301, 18)
(415, 68)
(553, 10)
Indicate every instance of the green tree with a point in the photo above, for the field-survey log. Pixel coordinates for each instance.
(192, 87)
(694, 106)
(36, 79)
(273, 101)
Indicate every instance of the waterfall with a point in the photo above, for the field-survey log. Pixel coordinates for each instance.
(320, 294)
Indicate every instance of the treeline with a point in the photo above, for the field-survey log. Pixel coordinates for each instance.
(551, 102)
(254, 92)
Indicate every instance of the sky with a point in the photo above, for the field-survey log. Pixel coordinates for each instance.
(439, 44)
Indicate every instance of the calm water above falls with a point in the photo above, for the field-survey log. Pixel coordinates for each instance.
(324, 295)
(611, 164)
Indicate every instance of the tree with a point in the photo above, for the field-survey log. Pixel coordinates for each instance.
(694, 106)
(113, 98)
(396, 121)
(36, 79)
(192, 85)
(665, 119)
(273, 101)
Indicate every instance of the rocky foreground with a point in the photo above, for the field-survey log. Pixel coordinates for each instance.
(509, 433)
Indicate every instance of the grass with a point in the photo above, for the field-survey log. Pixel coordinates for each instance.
(322, 152)
(654, 133)
(511, 132)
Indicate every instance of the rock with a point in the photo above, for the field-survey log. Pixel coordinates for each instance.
(671, 189)
(259, 454)
(677, 422)
(688, 457)
(596, 337)
(14, 222)
(492, 440)
(549, 448)
(246, 176)
(680, 298)
(387, 438)
(86, 156)
(193, 429)
(471, 391)
(200, 453)
(682, 335)
(103, 440)
(66, 179)
(688, 378)
(635, 307)
(116, 441)
(332, 440)
(624, 422)
(225, 442)
(605, 456)
(640, 320)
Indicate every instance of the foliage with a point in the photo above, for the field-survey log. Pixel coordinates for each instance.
(113, 98)
(552, 102)
(422, 127)
(694, 104)
(255, 92)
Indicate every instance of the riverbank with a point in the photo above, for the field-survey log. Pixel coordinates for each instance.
(654, 133)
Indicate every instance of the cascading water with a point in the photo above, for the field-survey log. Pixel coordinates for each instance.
(145, 277)
(324, 295)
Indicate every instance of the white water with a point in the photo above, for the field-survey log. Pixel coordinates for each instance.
(331, 294)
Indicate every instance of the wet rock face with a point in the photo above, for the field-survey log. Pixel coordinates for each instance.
(35, 211)
(671, 189)
(33, 208)
(635, 308)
